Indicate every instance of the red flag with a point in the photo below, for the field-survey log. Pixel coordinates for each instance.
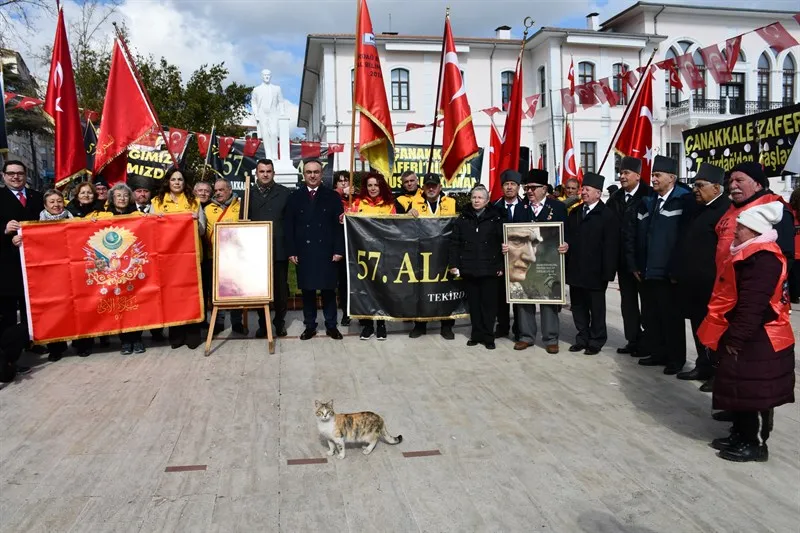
(178, 139)
(376, 138)
(251, 145)
(127, 115)
(495, 147)
(491, 111)
(61, 103)
(27, 103)
(309, 149)
(796, 17)
(203, 142)
(533, 103)
(7, 97)
(225, 145)
(671, 70)
(568, 101)
(540, 166)
(571, 77)
(690, 72)
(414, 126)
(580, 175)
(458, 134)
(605, 92)
(117, 274)
(586, 95)
(336, 148)
(570, 164)
(627, 79)
(636, 135)
(716, 64)
(732, 47)
(777, 37)
(509, 154)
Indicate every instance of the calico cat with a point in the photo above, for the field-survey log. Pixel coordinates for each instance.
(338, 429)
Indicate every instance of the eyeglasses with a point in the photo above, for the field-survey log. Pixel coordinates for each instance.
(532, 187)
(700, 185)
(15, 174)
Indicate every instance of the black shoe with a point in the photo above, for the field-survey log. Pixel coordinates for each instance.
(708, 386)
(218, 328)
(157, 335)
(176, 345)
(55, 356)
(490, 345)
(577, 347)
(591, 351)
(472, 343)
(238, 328)
(104, 340)
(22, 370)
(500, 333)
(447, 333)
(744, 452)
(346, 320)
(381, 332)
(652, 361)
(194, 344)
(84, 353)
(723, 416)
(628, 349)
(127, 349)
(725, 443)
(334, 333)
(367, 333)
(38, 349)
(417, 332)
(138, 347)
(261, 333)
(694, 375)
(307, 334)
(281, 331)
(671, 370)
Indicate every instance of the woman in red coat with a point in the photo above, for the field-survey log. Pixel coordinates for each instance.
(748, 330)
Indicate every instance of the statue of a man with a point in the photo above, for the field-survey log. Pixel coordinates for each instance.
(268, 105)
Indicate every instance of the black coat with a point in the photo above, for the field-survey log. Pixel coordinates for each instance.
(271, 207)
(476, 243)
(593, 247)
(552, 211)
(11, 209)
(626, 214)
(500, 207)
(697, 245)
(314, 235)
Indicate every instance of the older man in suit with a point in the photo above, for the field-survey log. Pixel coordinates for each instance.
(510, 205)
(315, 244)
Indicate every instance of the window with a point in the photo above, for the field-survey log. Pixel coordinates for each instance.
(763, 81)
(672, 95)
(400, 92)
(506, 81)
(585, 72)
(789, 73)
(352, 82)
(674, 152)
(700, 94)
(588, 156)
(617, 83)
(617, 164)
(543, 155)
(542, 91)
(463, 79)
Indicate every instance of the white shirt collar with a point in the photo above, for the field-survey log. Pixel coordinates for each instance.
(591, 206)
(516, 200)
(666, 196)
(715, 198)
(312, 189)
(634, 190)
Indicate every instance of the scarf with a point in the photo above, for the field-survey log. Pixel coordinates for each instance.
(770, 236)
(224, 204)
(44, 215)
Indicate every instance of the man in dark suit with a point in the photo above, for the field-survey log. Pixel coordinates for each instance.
(592, 236)
(509, 206)
(268, 202)
(538, 208)
(17, 204)
(315, 243)
(624, 203)
(695, 265)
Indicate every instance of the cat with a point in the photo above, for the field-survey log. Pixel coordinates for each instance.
(337, 429)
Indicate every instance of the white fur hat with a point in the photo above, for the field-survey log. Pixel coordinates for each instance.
(761, 218)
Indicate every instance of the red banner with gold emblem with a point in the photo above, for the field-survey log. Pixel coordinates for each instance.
(86, 278)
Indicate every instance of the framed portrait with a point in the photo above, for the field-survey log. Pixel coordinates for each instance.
(242, 263)
(534, 271)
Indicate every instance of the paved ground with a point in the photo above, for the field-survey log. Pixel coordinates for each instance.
(528, 442)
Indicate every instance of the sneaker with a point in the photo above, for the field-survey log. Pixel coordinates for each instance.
(22, 370)
(127, 349)
(367, 333)
(138, 347)
(381, 332)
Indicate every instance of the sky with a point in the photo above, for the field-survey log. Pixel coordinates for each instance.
(255, 34)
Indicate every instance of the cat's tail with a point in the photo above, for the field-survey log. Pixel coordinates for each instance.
(388, 439)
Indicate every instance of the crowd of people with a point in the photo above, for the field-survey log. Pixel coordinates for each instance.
(720, 254)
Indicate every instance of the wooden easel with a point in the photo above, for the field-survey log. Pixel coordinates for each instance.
(244, 308)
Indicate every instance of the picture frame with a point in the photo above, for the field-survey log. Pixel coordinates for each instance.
(534, 269)
(242, 264)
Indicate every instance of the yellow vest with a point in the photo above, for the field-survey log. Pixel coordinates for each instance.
(405, 200)
(181, 205)
(215, 213)
(368, 208)
(447, 207)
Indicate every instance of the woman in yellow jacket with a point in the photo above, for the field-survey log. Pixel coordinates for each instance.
(375, 198)
(176, 196)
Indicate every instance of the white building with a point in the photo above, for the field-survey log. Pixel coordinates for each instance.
(762, 79)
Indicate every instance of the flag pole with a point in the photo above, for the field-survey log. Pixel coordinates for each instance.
(208, 152)
(353, 99)
(144, 92)
(438, 92)
(634, 97)
(553, 131)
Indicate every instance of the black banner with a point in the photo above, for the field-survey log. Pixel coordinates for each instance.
(767, 137)
(414, 157)
(397, 269)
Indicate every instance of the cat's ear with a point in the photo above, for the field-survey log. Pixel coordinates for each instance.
(331, 404)
(317, 404)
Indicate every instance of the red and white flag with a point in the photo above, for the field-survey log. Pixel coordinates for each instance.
(458, 133)
(690, 71)
(225, 145)
(716, 64)
(251, 145)
(568, 101)
(204, 142)
(586, 95)
(636, 135)
(495, 146)
(178, 139)
(27, 103)
(571, 77)
(570, 162)
(532, 102)
(627, 79)
(732, 47)
(777, 37)
(605, 92)
(61, 103)
(512, 132)
(671, 71)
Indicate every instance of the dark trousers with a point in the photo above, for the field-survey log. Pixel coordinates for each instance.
(9, 305)
(280, 291)
(696, 300)
(328, 308)
(753, 426)
(664, 333)
(504, 312)
(794, 280)
(130, 337)
(343, 292)
(188, 334)
(631, 315)
(364, 322)
(12, 341)
(445, 324)
(57, 348)
(207, 278)
(589, 315)
(482, 301)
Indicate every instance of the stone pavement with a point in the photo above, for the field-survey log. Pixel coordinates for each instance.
(527, 442)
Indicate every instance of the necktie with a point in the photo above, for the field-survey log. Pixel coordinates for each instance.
(311, 194)
(628, 197)
(509, 212)
(537, 209)
(585, 210)
(22, 199)
(660, 204)
(142, 208)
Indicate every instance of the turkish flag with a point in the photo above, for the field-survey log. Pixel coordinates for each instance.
(603, 88)
(586, 95)
(533, 103)
(512, 131)
(27, 103)
(732, 47)
(7, 96)
(495, 146)
(375, 135)
(690, 72)
(127, 116)
(671, 71)
(336, 148)
(570, 165)
(251, 145)
(309, 149)
(203, 142)
(225, 145)
(777, 37)
(125, 273)
(540, 166)
(716, 64)
(178, 139)
(627, 79)
(490, 111)
(636, 135)
(571, 77)
(61, 103)
(458, 134)
(568, 101)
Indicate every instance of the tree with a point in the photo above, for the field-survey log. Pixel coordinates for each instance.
(20, 12)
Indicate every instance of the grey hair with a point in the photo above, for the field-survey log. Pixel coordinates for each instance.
(226, 182)
(481, 189)
(51, 192)
(121, 187)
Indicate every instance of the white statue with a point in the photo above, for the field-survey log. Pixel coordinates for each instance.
(268, 105)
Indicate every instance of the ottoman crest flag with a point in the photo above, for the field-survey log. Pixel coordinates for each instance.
(458, 134)
(61, 104)
(375, 135)
(636, 136)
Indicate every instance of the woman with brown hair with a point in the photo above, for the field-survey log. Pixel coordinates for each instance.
(84, 201)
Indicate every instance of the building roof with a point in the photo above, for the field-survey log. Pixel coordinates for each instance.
(655, 6)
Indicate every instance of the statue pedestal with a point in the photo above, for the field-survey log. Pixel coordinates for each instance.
(285, 172)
